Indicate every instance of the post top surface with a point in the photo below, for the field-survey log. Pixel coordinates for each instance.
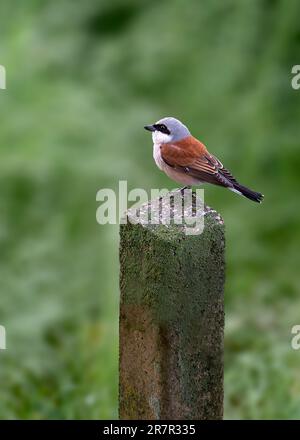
(175, 213)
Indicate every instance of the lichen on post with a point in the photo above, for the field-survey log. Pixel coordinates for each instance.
(171, 317)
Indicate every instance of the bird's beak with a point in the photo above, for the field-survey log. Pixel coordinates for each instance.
(149, 127)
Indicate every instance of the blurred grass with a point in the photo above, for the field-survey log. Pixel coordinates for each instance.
(82, 80)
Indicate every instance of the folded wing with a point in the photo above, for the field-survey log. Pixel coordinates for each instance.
(190, 156)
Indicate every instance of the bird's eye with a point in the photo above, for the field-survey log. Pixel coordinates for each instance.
(162, 128)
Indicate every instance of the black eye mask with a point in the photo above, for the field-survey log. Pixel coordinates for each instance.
(162, 128)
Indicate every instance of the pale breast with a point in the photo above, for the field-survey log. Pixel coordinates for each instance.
(157, 157)
(176, 175)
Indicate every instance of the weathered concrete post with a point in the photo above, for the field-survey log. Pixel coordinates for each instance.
(171, 319)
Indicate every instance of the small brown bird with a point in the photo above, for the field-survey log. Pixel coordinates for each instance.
(186, 160)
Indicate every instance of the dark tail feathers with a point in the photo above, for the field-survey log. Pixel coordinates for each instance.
(252, 195)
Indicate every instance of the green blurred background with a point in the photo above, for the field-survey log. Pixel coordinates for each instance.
(82, 80)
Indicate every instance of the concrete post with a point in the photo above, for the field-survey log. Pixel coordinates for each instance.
(171, 320)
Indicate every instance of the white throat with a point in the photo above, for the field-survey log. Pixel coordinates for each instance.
(161, 138)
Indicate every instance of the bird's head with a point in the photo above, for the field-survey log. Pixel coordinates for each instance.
(168, 130)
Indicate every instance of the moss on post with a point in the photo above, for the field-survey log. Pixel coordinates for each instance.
(171, 320)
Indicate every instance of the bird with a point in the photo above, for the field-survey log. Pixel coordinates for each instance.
(187, 161)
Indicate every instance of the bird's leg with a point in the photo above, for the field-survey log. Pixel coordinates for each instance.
(183, 189)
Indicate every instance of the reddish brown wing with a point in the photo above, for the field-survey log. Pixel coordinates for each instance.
(191, 157)
(182, 153)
